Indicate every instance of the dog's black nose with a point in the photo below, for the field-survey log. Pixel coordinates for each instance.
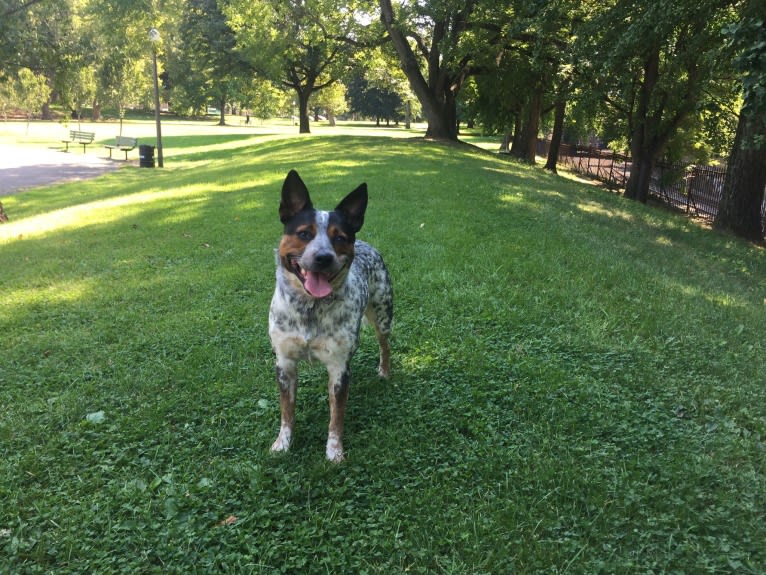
(324, 259)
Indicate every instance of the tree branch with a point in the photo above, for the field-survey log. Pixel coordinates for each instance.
(19, 8)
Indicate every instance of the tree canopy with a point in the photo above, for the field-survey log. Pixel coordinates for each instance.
(661, 78)
(303, 44)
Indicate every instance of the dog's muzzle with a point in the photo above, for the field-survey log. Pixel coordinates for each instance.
(316, 282)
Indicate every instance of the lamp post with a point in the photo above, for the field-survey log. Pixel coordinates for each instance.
(154, 37)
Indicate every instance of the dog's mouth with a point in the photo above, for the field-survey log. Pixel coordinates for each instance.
(317, 284)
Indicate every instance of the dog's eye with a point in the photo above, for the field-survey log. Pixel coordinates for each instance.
(340, 239)
(305, 235)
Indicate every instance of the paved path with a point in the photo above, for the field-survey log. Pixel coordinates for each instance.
(22, 167)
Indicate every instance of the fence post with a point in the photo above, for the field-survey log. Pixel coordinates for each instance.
(598, 165)
(625, 171)
(689, 188)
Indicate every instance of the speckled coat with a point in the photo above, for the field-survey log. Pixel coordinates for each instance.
(319, 249)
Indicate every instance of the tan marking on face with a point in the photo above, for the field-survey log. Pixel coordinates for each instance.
(292, 244)
(342, 248)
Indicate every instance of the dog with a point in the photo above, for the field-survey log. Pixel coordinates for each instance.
(326, 282)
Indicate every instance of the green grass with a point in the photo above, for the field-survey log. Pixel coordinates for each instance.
(578, 379)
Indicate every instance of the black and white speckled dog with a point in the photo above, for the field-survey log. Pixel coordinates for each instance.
(327, 280)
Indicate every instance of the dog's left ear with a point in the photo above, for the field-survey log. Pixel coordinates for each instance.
(353, 206)
(295, 197)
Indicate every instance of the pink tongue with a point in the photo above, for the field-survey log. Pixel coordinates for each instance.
(317, 285)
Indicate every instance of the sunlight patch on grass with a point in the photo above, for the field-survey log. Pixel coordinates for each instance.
(575, 177)
(694, 292)
(98, 212)
(515, 198)
(551, 193)
(418, 361)
(602, 210)
(60, 292)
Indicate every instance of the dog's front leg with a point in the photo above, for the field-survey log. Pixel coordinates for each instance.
(287, 380)
(339, 377)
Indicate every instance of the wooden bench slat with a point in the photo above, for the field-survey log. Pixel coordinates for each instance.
(79, 137)
(122, 143)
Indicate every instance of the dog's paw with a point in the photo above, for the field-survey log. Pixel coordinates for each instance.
(384, 371)
(334, 450)
(282, 442)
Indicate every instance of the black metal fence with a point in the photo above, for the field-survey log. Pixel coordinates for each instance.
(692, 189)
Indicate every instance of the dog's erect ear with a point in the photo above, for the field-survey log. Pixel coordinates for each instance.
(295, 197)
(353, 206)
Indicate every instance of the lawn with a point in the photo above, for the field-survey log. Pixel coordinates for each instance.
(578, 379)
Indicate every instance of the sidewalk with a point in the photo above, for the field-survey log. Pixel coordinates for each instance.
(23, 167)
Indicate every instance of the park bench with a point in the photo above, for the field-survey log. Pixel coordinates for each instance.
(79, 137)
(123, 144)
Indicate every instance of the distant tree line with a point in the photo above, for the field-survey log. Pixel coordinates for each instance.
(663, 79)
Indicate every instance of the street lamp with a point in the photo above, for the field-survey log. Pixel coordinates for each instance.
(154, 37)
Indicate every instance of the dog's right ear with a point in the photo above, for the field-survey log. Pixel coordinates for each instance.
(295, 197)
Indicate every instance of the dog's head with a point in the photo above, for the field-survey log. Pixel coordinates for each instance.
(317, 247)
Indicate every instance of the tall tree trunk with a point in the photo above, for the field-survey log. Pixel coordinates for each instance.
(436, 96)
(407, 114)
(558, 132)
(443, 124)
(743, 188)
(641, 169)
(505, 146)
(303, 110)
(526, 147)
(642, 146)
(222, 111)
(514, 137)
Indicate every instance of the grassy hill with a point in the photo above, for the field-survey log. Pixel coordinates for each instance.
(578, 379)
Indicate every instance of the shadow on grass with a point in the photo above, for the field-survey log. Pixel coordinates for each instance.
(558, 370)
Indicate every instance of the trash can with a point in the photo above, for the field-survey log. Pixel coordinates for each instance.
(146, 156)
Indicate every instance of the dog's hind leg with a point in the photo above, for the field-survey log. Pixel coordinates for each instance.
(337, 387)
(287, 379)
(379, 314)
(384, 367)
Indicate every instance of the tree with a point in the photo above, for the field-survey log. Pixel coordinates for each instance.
(373, 100)
(79, 91)
(208, 67)
(435, 29)
(501, 95)
(302, 44)
(13, 24)
(262, 99)
(541, 36)
(20, 35)
(377, 87)
(743, 190)
(118, 50)
(40, 36)
(653, 63)
(31, 92)
(332, 100)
